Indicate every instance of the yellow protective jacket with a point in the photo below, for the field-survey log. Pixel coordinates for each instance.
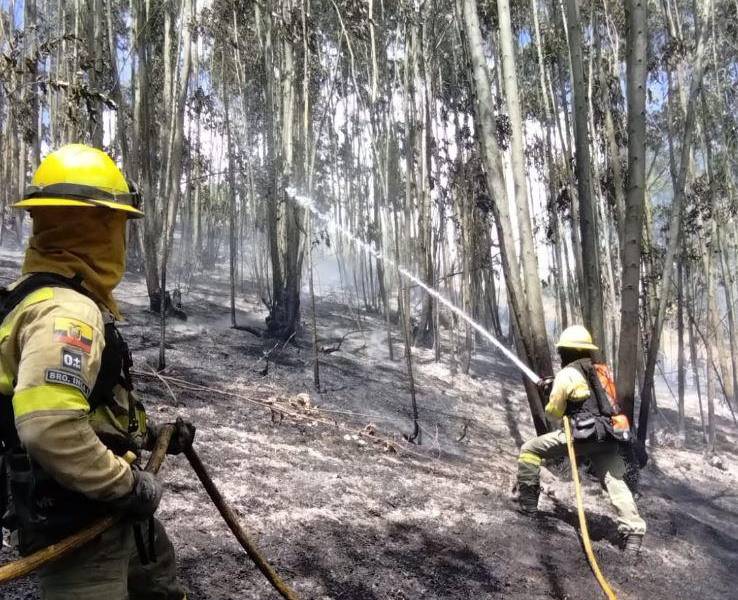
(569, 386)
(51, 345)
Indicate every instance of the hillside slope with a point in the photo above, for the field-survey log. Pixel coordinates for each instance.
(344, 508)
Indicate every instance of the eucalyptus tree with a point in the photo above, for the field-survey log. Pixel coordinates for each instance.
(591, 287)
(702, 32)
(632, 236)
(487, 138)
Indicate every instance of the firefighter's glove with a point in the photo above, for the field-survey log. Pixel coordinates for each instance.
(544, 385)
(142, 501)
(182, 438)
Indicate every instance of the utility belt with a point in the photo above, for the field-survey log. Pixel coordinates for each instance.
(39, 509)
(42, 512)
(586, 426)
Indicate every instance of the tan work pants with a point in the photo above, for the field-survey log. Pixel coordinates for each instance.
(608, 464)
(109, 568)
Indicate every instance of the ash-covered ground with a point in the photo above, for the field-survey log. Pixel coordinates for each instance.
(344, 508)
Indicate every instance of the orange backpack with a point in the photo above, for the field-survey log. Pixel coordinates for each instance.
(620, 424)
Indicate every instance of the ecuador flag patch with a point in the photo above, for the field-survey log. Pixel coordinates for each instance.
(73, 332)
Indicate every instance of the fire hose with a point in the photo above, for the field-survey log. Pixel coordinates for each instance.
(229, 516)
(30, 563)
(582, 520)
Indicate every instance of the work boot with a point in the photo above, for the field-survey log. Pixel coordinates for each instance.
(528, 498)
(633, 543)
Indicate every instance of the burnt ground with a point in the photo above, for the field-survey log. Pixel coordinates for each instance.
(344, 508)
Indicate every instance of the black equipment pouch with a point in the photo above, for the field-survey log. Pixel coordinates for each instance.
(41, 510)
(584, 427)
(591, 428)
(592, 419)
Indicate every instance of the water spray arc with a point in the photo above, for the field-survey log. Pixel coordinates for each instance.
(307, 203)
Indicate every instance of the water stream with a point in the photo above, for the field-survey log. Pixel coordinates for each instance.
(307, 203)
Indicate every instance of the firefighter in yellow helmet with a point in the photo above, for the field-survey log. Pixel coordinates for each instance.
(68, 411)
(578, 392)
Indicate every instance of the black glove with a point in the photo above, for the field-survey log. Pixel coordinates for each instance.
(142, 501)
(544, 385)
(182, 438)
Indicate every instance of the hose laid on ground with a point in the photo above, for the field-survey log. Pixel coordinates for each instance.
(582, 520)
(229, 516)
(30, 563)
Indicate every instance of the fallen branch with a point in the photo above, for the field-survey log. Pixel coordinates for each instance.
(260, 333)
(331, 349)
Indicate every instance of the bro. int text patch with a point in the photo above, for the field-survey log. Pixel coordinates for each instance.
(65, 378)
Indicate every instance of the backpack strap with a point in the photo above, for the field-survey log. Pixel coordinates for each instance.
(9, 299)
(597, 403)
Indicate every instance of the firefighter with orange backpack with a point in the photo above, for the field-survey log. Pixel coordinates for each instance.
(584, 391)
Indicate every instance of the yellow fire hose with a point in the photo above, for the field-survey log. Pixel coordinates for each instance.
(582, 519)
(30, 563)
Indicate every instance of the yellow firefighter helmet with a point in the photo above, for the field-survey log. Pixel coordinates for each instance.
(576, 337)
(79, 175)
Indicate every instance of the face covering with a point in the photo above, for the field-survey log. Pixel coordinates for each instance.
(88, 242)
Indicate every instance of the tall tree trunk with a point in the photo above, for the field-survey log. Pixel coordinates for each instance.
(531, 284)
(284, 215)
(142, 153)
(121, 115)
(231, 199)
(560, 275)
(710, 336)
(174, 172)
(487, 137)
(693, 360)
(308, 176)
(681, 371)
(632, 235)
(728, 276)
(179, 97)
(591, 289)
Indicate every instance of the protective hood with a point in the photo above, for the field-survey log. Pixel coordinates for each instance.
(88, 242)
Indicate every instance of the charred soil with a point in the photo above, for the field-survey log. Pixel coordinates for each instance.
(344, 508)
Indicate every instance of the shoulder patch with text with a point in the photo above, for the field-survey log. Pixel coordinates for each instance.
(71, 360)
(73, 332)
(65, 378)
